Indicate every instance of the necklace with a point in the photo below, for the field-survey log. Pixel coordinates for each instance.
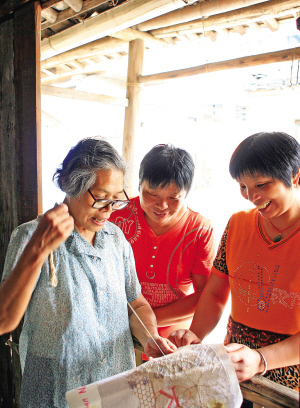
(279, 236)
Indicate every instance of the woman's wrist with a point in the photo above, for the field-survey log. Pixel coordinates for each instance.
(263, 363)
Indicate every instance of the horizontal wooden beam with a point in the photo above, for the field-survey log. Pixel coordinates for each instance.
(201, 9)
(83, 96)
(245, 16)
(244, 62)
(98, 47)
(269, 394)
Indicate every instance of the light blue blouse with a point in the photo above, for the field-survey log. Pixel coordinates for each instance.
(78, 332)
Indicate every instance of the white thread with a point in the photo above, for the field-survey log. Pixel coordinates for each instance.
(54, 280)
(145, 327)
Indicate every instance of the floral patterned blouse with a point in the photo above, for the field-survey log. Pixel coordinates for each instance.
(77, 332)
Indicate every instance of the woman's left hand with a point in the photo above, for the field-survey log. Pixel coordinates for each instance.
(151, 348)
(247, 362)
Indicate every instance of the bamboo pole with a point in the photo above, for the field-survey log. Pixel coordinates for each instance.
(106, 23)
(135, 67)
(244, 62)
(199, 10)
(98, 47)
(244, 16)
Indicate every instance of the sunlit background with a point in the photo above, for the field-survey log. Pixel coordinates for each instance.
(208, 115)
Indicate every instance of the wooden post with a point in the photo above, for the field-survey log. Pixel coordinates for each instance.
(20, 145)
(131, 126)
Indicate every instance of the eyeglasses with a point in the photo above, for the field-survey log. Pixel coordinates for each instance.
(115, 204)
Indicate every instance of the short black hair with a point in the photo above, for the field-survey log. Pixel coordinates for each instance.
(272, 154)
(165, 164)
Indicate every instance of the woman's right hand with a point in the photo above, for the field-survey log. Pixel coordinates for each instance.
(183, 338)
(54, 228)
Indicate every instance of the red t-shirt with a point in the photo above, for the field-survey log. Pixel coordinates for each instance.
(264, 276)
(165, 263)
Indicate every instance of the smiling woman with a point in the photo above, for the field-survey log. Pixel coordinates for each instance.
(77, 327)
(173, 245)
(258, 262)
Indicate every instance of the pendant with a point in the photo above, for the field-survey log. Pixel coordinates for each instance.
(277, 238)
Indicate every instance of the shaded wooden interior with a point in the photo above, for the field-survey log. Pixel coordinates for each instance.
(44, 43)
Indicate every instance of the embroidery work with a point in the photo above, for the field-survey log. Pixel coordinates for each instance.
(199, 375)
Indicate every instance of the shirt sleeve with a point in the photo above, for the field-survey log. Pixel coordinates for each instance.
(220, 266)
(132, 285)
(205, 252)
(18, 241)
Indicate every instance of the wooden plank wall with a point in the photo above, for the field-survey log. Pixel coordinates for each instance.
(20, 156)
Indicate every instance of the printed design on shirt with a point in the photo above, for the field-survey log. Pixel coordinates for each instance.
(158, 294)
(175, 260)
(253, 285)
(290, 300)
(129, 223)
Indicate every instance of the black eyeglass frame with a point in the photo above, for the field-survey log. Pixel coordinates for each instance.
(109, 201)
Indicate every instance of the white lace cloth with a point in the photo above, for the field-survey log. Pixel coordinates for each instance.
(194, 376)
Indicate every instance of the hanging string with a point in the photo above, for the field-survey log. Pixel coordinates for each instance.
(145, 328)
(53, 274)
(54, 282)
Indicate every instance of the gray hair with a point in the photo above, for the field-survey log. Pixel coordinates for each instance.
(77, 172)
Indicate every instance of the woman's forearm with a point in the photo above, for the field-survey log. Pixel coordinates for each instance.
(210, 306)
(178, 311)
(282, 354)
(16, 290)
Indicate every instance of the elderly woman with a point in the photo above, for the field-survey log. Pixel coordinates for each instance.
(73, 273)
(173, 245)
(258, 261)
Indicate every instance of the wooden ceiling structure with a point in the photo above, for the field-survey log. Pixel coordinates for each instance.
(45, 42)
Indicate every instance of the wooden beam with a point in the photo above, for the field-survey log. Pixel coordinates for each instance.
(272, 24)
(244, 16)
(244, 62)
(131, 124)
(98, 47)
(198, 10)
(11, 5)
(50, 15)
(28, 109)
(70, 13)
(83, 96)
(130, 34)
(116, 19)
(269, 393)
(76, 5)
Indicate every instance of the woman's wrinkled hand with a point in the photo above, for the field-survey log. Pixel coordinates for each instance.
(151, 348)
(183, 337)
(247, 362)
(54, 228)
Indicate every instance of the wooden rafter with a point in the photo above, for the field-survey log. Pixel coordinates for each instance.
(70, 13)
(106, 23)
(244, 16)
(244, 62)
(98, 47)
